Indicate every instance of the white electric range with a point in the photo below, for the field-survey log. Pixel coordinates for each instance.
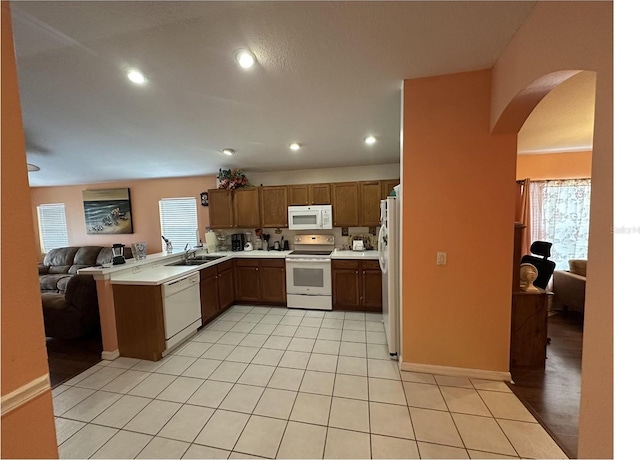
(309, 272)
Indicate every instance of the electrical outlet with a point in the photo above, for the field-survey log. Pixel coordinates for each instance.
(345, 231)
(441, 258)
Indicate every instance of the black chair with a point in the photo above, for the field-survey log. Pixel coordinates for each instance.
(543, 264)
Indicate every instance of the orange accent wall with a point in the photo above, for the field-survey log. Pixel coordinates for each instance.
(573, 165)
(539, 49)
(24, 355)
(145, 195)
(457, 198)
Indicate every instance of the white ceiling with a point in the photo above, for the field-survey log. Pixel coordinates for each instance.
(328, 74)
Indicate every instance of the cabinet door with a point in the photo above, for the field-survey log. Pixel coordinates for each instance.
(226, 285)
(209, 302)
(220, 209)
(344, 196)
(246, 206)
(298, 195)
(371, 283)
(387, 186)
(272, 281)
(370, 194)
(320, 193)
(248, 280)
(345, 280)
(273, 208)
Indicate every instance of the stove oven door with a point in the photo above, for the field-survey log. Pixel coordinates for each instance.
(308, 276)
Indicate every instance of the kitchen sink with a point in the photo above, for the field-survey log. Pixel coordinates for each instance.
(199, 260)
(185, 263)
(207, 258)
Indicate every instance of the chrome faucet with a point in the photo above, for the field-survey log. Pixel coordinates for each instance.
(189, 253)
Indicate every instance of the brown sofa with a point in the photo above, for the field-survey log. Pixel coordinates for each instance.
(569, 286)
(69, 300)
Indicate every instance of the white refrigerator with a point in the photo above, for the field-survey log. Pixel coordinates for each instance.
(389, 256)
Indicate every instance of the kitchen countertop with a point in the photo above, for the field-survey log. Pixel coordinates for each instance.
(153, 271)
(337, 254)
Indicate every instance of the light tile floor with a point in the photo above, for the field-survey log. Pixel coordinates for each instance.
(277, 383)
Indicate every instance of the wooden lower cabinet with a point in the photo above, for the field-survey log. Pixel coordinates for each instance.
(272, 281)
(139, 320)
(226, 284)
(248, 280)
(356, 285)
(217, 290)
(261, 280)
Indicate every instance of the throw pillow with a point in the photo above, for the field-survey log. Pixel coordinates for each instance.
(578, 266)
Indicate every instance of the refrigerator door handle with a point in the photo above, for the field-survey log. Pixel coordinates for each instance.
(382, 243)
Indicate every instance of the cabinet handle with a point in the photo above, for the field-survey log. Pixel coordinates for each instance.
(256, 268)
(356, 272)
(364, 272)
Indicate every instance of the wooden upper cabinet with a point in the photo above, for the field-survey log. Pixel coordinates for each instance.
(220, 209)
(309, 194)
(344, 197)
(246, 206)
(298, 195)
(320, 194)
(370, 195)
(387, 186)
(273, 209)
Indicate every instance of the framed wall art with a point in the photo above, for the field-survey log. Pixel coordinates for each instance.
(107, 211)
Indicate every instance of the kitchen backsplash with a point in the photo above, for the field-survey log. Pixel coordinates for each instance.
(341, 241)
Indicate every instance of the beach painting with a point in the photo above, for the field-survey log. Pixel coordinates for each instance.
(107, 211)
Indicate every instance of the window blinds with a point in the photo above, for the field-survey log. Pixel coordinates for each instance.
(179, 221)
(53, 227)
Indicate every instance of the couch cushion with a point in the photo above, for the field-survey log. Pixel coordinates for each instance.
(61, 285)
(50, 282)
(61, 256)
(578, 266)
(87, 255)
(53, 301)
(43, 269)
(59, 269)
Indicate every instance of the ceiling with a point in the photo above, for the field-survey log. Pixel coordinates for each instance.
(328, 74)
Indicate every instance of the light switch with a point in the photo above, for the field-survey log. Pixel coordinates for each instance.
(441, 258)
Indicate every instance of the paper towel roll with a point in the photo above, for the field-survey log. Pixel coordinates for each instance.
(211, 240)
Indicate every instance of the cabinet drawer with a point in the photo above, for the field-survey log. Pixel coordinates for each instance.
(276, 263)
(224, 266)
(208, 272)
(370, 265)
(247, 263)
(349, 264)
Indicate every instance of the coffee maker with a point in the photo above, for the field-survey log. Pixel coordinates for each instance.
(237, 242)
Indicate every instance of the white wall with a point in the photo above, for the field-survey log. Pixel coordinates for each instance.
(317, 176)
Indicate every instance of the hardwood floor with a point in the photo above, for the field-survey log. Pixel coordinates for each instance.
(553, 393)
(68, 358)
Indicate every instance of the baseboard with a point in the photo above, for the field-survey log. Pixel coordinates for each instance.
(456, 371)
(110, 355)
(25, 393)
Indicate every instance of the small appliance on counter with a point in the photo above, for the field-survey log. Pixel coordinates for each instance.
(118, 254)
(248, 246)
(237, 242)
(358, 245)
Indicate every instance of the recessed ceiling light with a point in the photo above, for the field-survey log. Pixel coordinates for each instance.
(31, 167)
(370, 140)
(136, 76)
(295, 146)
(245, 58)
(228, 152)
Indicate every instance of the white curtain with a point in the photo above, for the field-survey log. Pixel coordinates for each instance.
(560, 215)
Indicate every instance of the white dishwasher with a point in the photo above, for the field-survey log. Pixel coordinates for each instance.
(182, 314)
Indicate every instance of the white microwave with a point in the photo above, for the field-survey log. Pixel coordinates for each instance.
(310, 217)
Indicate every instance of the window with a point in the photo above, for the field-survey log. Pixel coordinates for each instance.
(179, 221)
(560, 215)
(53, 227)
